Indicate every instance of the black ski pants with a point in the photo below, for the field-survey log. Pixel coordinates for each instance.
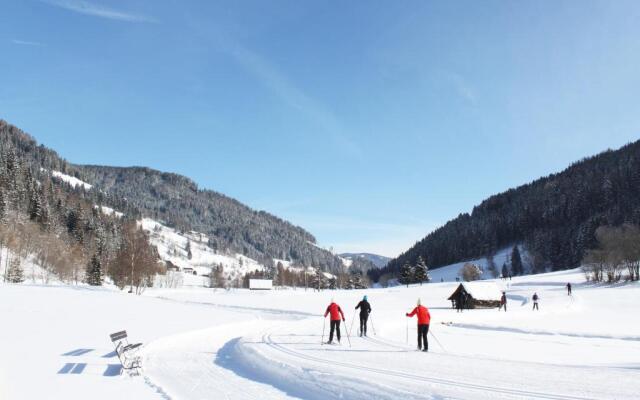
(423, 329)
(363, 323)
(335, 325)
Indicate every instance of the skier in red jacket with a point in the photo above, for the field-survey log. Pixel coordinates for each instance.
(336, 313)
(424, 318)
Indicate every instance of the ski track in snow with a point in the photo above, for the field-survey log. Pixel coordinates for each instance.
(399, 374)
(545, 333)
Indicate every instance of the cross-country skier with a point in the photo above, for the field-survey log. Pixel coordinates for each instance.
(503, 302)
(535, 301)
(569, 289)
(336, 313)
(424, 318)
(365, 310)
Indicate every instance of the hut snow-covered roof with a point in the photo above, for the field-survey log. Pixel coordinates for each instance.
(480, 290)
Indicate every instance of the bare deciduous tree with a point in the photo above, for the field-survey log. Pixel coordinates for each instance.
(136, 263)
(470, 272)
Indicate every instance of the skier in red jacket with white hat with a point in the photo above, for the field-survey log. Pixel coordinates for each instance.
(336, 313)
(424, 318)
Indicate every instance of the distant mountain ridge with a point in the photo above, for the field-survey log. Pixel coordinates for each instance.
(554, 217)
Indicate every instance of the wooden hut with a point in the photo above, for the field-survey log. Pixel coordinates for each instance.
(477, 294)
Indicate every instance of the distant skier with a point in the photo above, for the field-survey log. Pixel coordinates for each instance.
(424, 318)
(365, 310)
(336, 313)
(569, 289)
(503, 302)
(535, 301)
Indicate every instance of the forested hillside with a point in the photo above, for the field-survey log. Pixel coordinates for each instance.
(137, 191)
(54, 224)
(233, 227)
(555, 217)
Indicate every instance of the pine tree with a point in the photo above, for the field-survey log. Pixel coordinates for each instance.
(94, 271)
(516, 261)
(420, 271)
(3, 206)
(219, 277)
(35, 206)
(357, 280)
(15, 273)
(188, 250)
(505, 271)
(406, 274)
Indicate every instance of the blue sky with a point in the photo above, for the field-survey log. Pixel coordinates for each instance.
(368, 123)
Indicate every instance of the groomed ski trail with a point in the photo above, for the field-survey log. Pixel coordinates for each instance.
(432, 376)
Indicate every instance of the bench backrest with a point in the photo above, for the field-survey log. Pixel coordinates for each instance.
(118, 336)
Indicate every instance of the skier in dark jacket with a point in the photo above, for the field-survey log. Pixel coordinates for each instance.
(365, 310)
(336, 313)
(569, 289)
(503, 301)
(535, 301)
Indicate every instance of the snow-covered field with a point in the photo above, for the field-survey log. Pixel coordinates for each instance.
(206, 344)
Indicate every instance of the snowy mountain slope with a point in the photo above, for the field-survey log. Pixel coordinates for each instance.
(172, 247)
(240, 344)
(109, 211)
(233, 227)
(378, 260)
(451, 272)
(71, 180)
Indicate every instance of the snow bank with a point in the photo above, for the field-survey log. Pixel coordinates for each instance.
(450, 272)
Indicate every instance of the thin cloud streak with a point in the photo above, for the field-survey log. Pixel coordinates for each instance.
(96, 10)
(26, 43)
(462, 88)
(296, 98)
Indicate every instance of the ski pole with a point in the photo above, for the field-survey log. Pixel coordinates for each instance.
(324, 321)
(348, 338)
(352, 319)
(407, 331)
(373, 327)
(437, 341)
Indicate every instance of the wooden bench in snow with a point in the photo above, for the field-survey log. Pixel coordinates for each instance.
(126, 351)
